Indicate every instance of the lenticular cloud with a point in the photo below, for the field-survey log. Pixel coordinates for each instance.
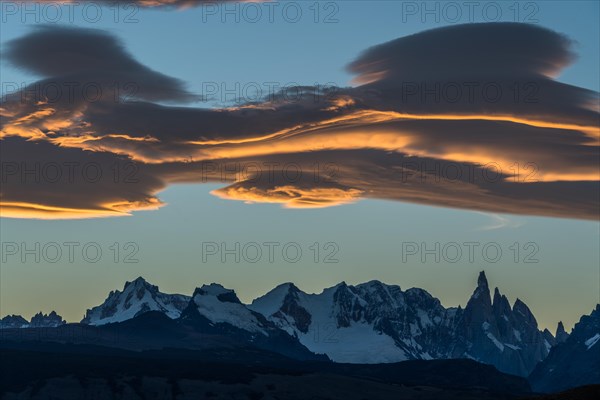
(461, 116)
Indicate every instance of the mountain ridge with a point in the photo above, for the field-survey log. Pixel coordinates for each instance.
(371, 322)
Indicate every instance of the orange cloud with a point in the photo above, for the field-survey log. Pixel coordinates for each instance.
(377, 134)
(290, 196)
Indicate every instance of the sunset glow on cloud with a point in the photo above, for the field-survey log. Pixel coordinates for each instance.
(514, 139)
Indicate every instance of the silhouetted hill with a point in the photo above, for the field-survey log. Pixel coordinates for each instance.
(70, 371)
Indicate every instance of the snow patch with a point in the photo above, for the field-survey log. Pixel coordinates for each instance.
(511, 346)
(425, 321)
(271, 302)
(225, 312)
(517, 334)
(495, 341)
(592, 341)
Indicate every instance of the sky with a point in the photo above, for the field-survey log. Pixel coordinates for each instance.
(175, 210)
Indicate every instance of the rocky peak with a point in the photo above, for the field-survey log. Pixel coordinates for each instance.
(588, 326)
(548, 337)
(137, 297)
(498, 334)
(221, 293)
(136, 282)
(523, 313)
(221, 307)
(140, 283)
(13, 321)
(561, 334)
(482, 280)
(482, 291)
(501, 304)
(373, 292)
(290, 287)
(46, 320)
(497, 295)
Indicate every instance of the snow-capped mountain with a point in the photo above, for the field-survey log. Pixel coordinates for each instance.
(367, 323)
(574, 362)
(222, 306)
(216, 310)
(374, 323)
(136, 298)
(39, 320)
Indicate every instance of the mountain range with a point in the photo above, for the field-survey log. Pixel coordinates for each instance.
(39, 320)
(369, 323)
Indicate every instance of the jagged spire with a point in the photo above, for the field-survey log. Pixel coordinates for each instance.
(497, 297)
(482, 280)
(500, 304)
(561, 334)
(482, 289)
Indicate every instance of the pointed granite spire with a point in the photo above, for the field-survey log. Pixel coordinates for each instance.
(482, 280)
(482, 292)
(561, 334)
(501, 305)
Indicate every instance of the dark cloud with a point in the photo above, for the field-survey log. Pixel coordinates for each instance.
(346, 176)
(491, 68)
(401, 135)
(469, 51)
(41, 180)
(66, 55)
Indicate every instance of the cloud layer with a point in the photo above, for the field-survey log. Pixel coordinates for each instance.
(469, 116)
